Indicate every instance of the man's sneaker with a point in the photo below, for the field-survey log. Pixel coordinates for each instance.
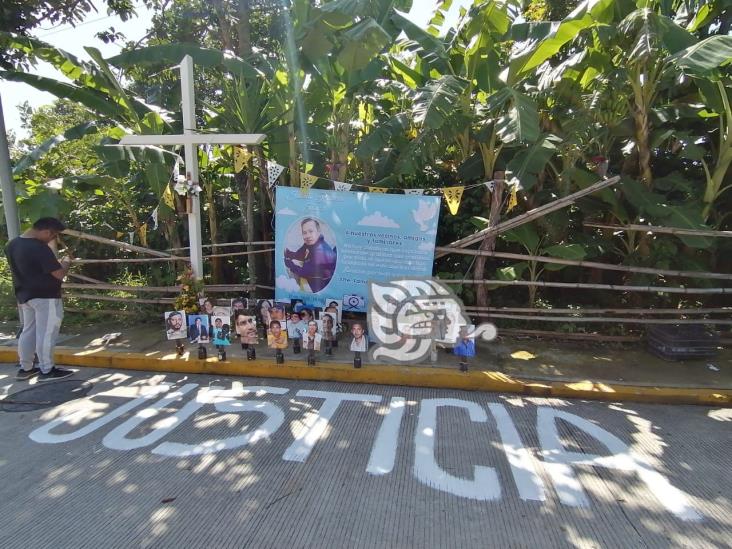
(22, 374)
(55, 374)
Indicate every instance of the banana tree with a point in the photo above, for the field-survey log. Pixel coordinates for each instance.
(93, 86)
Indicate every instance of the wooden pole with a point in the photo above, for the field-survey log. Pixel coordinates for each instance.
(115, 243)
(658, 289)
(656, 229)
(563, 335)
(115, 287)
(120, 299)
(229, 244)
(722, 310)
(531, 215)
(612, 320)
(588, 264)
(128, 260)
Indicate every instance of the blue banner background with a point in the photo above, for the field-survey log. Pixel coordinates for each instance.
(375, 236)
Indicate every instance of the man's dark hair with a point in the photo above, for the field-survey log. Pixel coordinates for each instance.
(277, 322)
(49, 224)
(170, 316)
(308, 220)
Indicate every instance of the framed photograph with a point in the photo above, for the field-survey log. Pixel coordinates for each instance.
(175, 325)
(221, 330)
(198, 328)
(246, 327)
(277, 335)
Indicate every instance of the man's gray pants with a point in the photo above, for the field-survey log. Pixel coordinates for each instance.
(41, 324)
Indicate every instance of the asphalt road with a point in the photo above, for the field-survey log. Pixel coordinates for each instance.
(126, 459)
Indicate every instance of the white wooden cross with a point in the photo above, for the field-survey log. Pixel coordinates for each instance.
(190, 141)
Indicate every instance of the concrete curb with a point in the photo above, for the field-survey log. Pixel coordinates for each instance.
(381, 374)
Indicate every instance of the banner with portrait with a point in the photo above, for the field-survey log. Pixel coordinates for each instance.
(330, 244)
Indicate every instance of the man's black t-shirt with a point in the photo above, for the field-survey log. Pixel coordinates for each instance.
(32, 262)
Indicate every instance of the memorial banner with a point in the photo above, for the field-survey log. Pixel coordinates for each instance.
(330, 244)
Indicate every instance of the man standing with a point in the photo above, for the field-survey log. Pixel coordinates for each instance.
(37, 277)
(315, 260)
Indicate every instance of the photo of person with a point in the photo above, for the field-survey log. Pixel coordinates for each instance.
(295, 326)
(264, 306)
(278, 312)
(329, 326)
(238, 304)
(313, 264)
(360, 340)
(206, 306)
(333, 306)
(221, 330)
(198, 328)
(276, 336)
(311, 339)
(175, 324)
(246, 327)
(222, 310)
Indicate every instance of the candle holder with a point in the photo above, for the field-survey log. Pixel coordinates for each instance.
(222, 353)
(279, 357)
(357, 359)
(202, 352)
(296, 346)
(179, 349)
(311, 358)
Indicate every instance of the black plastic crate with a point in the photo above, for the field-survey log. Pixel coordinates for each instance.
(682, 341)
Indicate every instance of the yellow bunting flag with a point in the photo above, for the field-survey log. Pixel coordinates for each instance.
(378, 189)
(143, 234)
(119, 234)
(168, 197)
(453, 195)
(513, 199)
(306, 181)
(241, 158)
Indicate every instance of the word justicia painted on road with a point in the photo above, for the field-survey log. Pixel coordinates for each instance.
(560, 463)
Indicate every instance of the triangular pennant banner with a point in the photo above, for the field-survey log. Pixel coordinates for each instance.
(132, 237)
(413, 191)
(241, 158)
(513, 199)
(119, 234)
(143, 234)
(490, 185)
(273, 172)
(453, 195)
(154, 216)
(340, 186)
(306, 181)
(168, 197)
(378, 189)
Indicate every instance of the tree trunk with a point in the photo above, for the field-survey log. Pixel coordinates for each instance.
(266, 219)
(244, 29)
(242, 180)
(213, 227)
(251, 258)
(488, 244)
(640, 110)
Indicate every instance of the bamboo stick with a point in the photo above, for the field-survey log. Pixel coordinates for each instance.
(121, 299)
(658, 289)
(115, 243)
(722, 310)
(613, 320)
(239, 253)
(84, 278)
(588, 264)
(227, 244)
(129, 260)
(531, 215)
(657, 229)
(562, 335)
(101, 311)
(118, 288)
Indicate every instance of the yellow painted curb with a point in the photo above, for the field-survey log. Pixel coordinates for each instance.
(381, 374)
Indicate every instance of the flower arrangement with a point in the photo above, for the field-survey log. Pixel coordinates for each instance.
(190, 288)
(184, 186)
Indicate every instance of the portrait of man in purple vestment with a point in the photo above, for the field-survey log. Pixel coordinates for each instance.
(314, 263)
